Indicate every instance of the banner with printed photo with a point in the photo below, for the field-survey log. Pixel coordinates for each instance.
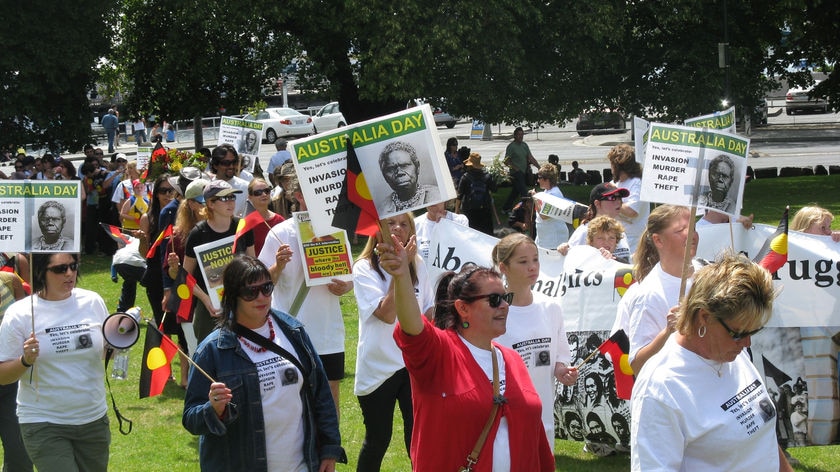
(245, 136)
(559, 208)
(40, 216)
(722, 120)
(212, 259)
(401, 159)
(683, 164)
(324, 257)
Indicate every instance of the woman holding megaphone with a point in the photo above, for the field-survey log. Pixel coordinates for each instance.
(57, 355)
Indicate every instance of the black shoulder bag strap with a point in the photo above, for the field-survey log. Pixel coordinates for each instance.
(264, 342)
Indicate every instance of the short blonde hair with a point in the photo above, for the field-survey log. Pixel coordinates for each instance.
(807, 216)
(603, 224)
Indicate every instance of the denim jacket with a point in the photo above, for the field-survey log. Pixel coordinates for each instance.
(237, 441)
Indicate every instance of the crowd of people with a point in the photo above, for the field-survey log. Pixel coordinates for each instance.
(478, 353)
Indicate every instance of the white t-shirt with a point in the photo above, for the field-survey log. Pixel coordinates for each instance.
(578, 238)
(130, 254)
(423, 228)
(657, 293)
(69, 383)
(551, 232)
(634, 227)
(685, 417)
(625, 307)
(377, 355)
(321, 310)
(535, 331)
(280, 385)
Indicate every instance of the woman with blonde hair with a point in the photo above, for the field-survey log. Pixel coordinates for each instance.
(814, 219)
(535, 322)
(694, 400)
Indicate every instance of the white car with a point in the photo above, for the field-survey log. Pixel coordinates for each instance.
(279, 122)
(329, 117)
(797, 99)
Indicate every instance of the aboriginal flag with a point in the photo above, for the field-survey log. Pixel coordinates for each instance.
(115, 233)
(774, 253)
(181, 297)
(355, 210)
(163, 235)
(618, 347)
(251, 220)
(155, 368)
(623, 280)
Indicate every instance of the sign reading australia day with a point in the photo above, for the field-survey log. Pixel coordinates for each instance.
(245, 136)
(400, 156)
(674, 156)
(40, 216)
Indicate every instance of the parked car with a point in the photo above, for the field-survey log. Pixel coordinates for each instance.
(279, 122)
(799, 99)
(442, 118)
(600, 121)
(329, 117)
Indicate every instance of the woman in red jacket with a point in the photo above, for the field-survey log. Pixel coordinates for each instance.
(452, 368)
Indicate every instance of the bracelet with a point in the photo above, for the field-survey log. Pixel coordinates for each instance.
(25, 364)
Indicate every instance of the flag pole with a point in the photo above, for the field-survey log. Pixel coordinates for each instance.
(695, 195)
(149, 323)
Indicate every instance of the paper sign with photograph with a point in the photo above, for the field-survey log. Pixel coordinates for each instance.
(722, 120)
(559, 208)
(40, 216)
(324, 257)
(212, 258)
(695, 166)
(401, 160)
(245, 136)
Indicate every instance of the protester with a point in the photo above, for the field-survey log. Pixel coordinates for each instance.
(605, 233)
(320, 309)
(270, 406)
(61, 404)
(134, 206)
(519, 159)
(534, 322)
(690, 398)
(551, 232)
(15, 457)
(459, 355)
(604, 200)
(425, 224)
(627, 174)
(381, 377)
(453, 161)
(131, 266)
(659, 270)
(475, 198)
(814, 220)
(224, 162)
(259, 194)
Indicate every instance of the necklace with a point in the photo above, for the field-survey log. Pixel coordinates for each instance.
(715, 366)
(259, 349)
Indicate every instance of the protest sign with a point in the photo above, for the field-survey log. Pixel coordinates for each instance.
(212, 259)
(477, 129)
(40, 216)
(400, 156)
(324, 257)
(640, 128)
(144, 155)
(693, 166)
(245, 136)
(722, 120)
(559, 208)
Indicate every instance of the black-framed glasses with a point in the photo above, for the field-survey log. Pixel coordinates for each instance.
(166, 190)
(62, 268)
(262, 191)
(737, 336)
(227, 163)
(226, 198)
(493, 299)
(250, 292)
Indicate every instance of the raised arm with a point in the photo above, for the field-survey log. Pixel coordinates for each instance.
(393, 258)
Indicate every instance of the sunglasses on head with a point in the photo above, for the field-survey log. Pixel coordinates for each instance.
(62, 268)
(737, 336)
(262, 191)
(250, 292)
(493, 299)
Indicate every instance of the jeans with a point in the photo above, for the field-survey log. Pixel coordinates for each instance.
(131, 275)
(378, 413)
(111, 133)
(15, 458)
(140, 136)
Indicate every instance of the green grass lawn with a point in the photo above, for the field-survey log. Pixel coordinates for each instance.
(159, 442)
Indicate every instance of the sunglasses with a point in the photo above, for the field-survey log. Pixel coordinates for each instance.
(226, 198)
(166, 190)
(262, 191)
(62, 268)
(227, 163)
(738, 336)
(250, 292)
(542, 177)
(493, 299)
(610, 198)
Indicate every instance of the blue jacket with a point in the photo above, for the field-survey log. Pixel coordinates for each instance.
(237, 442)
(110, 122)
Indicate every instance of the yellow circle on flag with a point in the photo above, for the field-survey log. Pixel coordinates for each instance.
(183, 291)
(362, 188)
(155, 359)
(624, 364)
